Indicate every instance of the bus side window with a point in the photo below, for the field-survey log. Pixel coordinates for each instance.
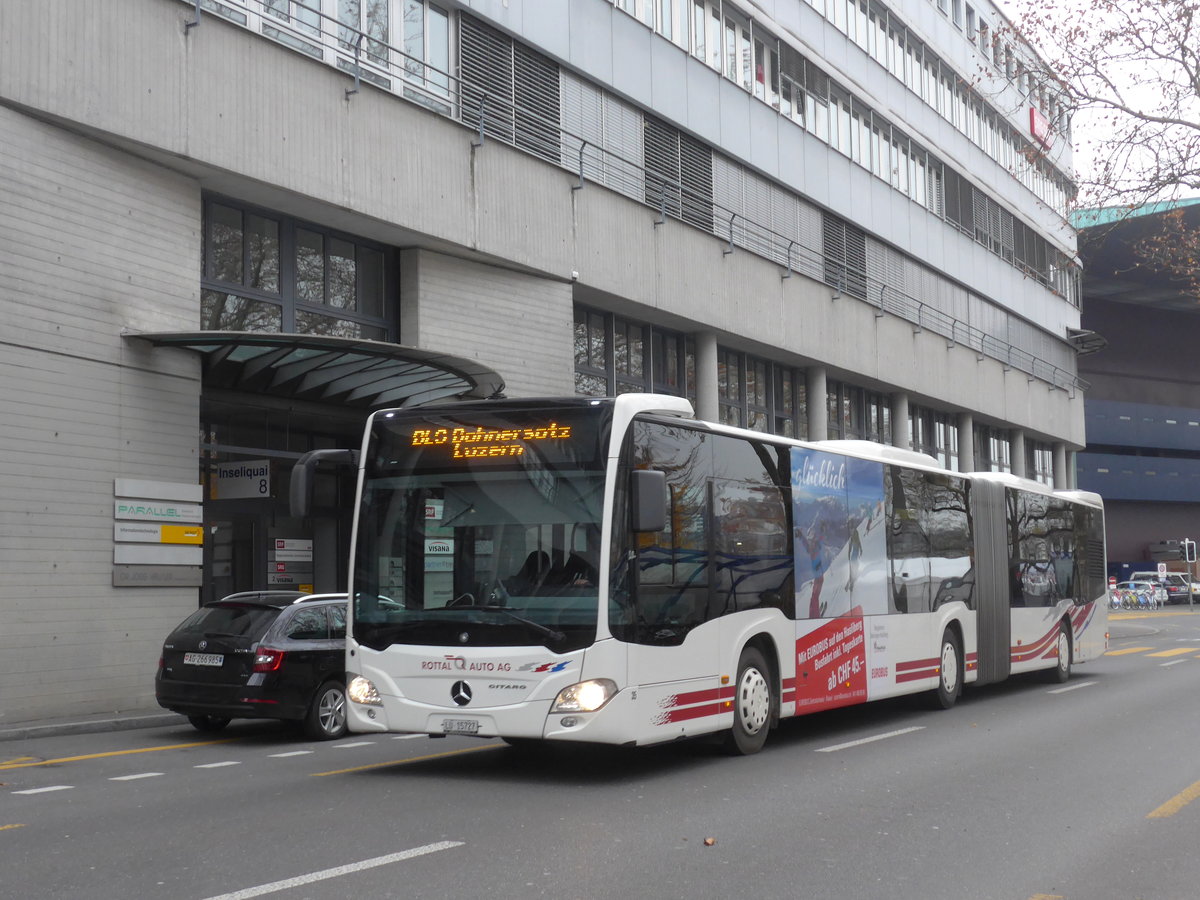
(672, 573)
(951, 567)
(907, 541)
(751, 532)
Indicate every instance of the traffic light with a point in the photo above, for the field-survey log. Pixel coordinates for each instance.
(1188, 547)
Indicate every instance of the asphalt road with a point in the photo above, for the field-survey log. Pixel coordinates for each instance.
(1024, 790)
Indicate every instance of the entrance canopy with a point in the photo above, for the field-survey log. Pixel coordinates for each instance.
(345, 371)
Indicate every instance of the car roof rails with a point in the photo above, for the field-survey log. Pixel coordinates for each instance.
(308, 597)
(266, 596)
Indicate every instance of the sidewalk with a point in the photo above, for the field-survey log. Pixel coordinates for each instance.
(114, 721)
(1169, 610)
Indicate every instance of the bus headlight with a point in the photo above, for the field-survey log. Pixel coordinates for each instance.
(360, 690)
(585, 696)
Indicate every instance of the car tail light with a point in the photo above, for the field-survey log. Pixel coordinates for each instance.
(268, 660)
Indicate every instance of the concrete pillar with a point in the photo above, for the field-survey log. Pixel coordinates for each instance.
(966, 442)
(1061, 477)
(708, 407)
(1016, 452)
(900, 435)
(818, 403)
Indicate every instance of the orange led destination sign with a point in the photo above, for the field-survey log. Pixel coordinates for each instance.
(466, 443)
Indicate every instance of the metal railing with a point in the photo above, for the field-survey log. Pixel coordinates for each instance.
(307, 30)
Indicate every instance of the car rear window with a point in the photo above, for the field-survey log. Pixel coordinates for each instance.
(233, 618)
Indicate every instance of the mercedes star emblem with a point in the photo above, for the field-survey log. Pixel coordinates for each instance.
(460, 693)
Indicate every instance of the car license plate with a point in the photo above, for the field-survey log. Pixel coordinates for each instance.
(460, 726)
(203, 659)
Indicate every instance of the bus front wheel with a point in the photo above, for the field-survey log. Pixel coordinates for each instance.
(950, 671)
(753, 703)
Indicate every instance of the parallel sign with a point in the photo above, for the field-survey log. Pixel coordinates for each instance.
(157, 511)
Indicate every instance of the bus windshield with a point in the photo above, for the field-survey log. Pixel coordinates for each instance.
(481, 528)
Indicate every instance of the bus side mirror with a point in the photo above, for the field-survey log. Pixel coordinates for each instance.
(648, 500)
(300, 488)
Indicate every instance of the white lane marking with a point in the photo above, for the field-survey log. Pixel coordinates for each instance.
(1071, 687)
(56, 787)
(878, 737)
(407, 737)
(136, 777)
(1173, 662)
(291, 753)
(337, 871)
(353, 744)
(228, 762)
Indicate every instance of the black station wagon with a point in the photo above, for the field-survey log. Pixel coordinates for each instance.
(259, 655)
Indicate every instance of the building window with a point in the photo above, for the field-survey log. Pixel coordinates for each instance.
(364, 26)
(858, 414)
(935, 433)
(267, 272)
(426, 45)
(1039, 462)
(619, 356)
(761, 395)
(992, 450)
(730, 387)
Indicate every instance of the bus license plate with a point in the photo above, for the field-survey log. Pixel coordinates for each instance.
(203, 659)
(460, 726)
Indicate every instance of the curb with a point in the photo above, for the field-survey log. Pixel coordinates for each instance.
(89, 726)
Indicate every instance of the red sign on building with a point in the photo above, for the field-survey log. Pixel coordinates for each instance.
(1039, 127)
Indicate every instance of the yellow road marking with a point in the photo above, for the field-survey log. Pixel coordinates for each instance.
(67, 759)
(405, 762)
(1176, 803)
(7, 827)
(1178, 651)
(1127, 650)
(17, 759)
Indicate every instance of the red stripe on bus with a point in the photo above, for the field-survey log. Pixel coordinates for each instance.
(691, 697)
(916, 664)
(683, 714)
(1026, 652)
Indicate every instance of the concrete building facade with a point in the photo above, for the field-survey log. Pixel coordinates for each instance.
(231, 227)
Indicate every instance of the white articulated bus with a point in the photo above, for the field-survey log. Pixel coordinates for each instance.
(614, 571)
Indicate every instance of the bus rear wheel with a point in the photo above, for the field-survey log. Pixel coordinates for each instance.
(753, 704)
(950, 672)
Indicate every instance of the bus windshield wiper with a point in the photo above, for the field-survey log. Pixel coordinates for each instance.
(541, 629)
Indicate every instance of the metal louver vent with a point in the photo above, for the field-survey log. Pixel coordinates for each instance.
(486, 70)
(536, 94)
(696, 175)
(662, 166)
(845, 257)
